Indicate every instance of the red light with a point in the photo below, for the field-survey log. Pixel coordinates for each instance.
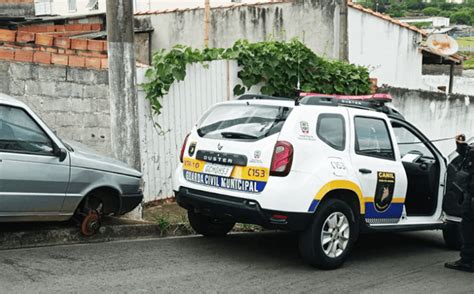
(279, 217)
(282, 159)
(181, 154)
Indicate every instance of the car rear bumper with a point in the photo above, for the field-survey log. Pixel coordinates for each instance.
(129, 202)
(240, 210)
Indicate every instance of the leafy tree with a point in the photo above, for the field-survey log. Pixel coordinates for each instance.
(396, 10)
(431, 11)
(415, 4)
(463, 16)
(445, 14)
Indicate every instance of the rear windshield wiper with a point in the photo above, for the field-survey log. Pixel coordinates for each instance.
(235, 135)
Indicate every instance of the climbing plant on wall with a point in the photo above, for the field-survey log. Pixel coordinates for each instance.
(276, 65)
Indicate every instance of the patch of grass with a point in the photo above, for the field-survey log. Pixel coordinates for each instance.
(421, 24)
(468, 64)
(169, 216)
(466, 41)
(163, 223)
(247, 228)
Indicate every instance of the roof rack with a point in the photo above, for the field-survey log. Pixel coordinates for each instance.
(374, 102)
(262, 97)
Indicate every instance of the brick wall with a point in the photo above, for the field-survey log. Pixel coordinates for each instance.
(52, 44)
(72, 101)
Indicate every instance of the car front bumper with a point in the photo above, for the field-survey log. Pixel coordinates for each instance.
(240, 210)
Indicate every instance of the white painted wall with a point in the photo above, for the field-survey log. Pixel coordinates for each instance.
(313, 21)
(389, 50)
(436, 21)
(437, 115)
(462, 85)
(182, 107)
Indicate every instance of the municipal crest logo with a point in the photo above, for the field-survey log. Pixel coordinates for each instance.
(257, 154)
(304, 125)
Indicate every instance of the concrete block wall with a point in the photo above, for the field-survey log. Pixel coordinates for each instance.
(316, 22)
(17, 7)
(437, 115)
(72, 101)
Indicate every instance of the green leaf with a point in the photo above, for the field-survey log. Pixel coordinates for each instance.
(278, 65)
(239, 90)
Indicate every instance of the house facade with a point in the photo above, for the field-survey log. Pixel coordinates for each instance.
(389, 48)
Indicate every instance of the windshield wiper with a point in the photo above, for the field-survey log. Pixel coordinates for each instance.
(236, 135)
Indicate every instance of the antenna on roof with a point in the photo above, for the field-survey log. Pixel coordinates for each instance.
(298, 82)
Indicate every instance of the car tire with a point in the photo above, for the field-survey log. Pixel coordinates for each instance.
(209, 226)
(329, 239)
(452, 235)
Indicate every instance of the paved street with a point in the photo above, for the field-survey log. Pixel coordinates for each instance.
(260, 262)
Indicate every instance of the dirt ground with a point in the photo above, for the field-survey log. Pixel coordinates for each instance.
(167, 213)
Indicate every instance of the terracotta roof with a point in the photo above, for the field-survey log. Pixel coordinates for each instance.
(229, 6)
(387, 18)
(454, 57)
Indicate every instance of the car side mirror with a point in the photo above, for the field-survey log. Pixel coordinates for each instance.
(61, 153)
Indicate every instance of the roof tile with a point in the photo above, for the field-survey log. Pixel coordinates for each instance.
(386, 17)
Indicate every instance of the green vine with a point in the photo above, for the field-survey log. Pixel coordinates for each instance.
(277, 66)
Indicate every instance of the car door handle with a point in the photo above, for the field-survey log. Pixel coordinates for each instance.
(365, 171)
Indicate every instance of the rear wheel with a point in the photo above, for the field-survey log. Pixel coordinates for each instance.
(326, 244)
(452, 235)
(209, 226)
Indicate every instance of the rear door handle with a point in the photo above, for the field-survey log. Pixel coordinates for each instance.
(365, 171)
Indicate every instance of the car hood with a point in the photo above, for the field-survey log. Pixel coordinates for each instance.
(85, 157)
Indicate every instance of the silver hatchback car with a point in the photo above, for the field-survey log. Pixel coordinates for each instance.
(43, 178)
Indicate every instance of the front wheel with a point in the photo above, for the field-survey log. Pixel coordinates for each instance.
(326, 244)
(452, 235)
(209, 226)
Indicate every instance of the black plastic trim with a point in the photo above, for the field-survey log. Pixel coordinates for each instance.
(128, 202)
(366, 228)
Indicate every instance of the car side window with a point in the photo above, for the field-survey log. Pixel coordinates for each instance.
(372, 138)
(409, 143)
(19, 133)
(331, 130)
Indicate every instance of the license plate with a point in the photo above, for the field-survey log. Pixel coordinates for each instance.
(218, 169)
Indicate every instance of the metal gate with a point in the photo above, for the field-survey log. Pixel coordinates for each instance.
(161, 136)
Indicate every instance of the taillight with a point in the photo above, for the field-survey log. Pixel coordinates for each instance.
(181, 154)
(282, 159)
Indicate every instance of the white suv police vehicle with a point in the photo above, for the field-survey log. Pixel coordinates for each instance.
(326, 166)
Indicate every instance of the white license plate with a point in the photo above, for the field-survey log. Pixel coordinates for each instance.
(218, 169)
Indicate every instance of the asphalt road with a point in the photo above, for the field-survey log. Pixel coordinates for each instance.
(250, 263)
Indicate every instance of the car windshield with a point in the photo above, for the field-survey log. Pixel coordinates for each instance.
(243, 121)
